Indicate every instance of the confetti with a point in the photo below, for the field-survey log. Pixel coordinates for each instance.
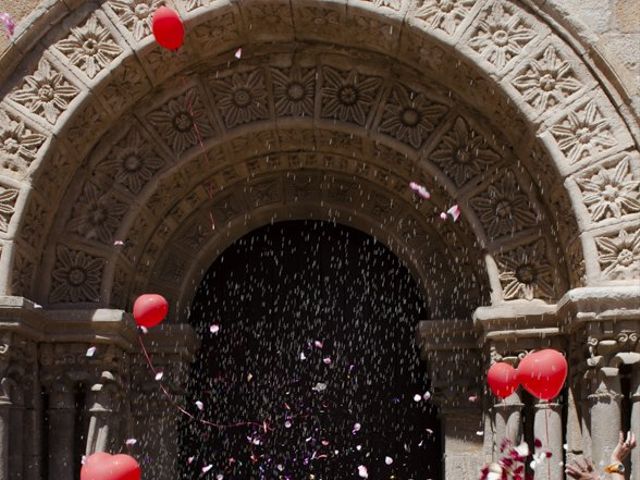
(9, 24)
(420, 190)
(159, 376)
(130, 442)
(91, 351)
(426, 396)
(356, 428)
(214, 328)
(454, 212)
(417, 397)
(200, 405)
(363, 472)
(319, 387)
(118, 243)
(326, 360)
(207, 468)
(318, 344)
(388, 460)
(302, 356)
(238, 53)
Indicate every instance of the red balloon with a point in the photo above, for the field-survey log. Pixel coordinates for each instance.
(502, 379)
(150, 309)
(102, 466)
(168, 28)
(543, 373)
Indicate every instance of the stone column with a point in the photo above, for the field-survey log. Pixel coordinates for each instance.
(61, 431)
(16, 453)
(156, 419)
(547, 427)
(102, 413)
(33, 432)
(5, 426)
(605, 415)
(507, 421)
(635, 421)
(463, 447)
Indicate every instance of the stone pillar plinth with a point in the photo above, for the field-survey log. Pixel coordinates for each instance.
(463, 447)
(635, 421)
(507, 421)
(605, 415)
(547, 427)
(61, 431)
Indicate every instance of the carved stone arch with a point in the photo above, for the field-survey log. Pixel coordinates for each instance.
(459, 44)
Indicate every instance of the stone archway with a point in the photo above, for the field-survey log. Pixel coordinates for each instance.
(114, 165)
(329, 406)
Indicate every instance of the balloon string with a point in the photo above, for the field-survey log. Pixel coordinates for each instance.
(546, 427)
(189, 108)
(181, 409)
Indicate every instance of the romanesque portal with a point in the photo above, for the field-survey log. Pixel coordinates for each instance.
(128, 169)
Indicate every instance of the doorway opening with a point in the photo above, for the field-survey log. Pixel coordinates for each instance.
(309, 360)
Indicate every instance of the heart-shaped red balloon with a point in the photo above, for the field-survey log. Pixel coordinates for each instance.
(150, 309)
(543, 373)
(502, 379)
(102, 466)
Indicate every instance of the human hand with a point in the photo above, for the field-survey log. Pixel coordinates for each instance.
(581, 471)
(624, 447)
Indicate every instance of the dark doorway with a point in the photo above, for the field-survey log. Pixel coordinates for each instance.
(316, 334)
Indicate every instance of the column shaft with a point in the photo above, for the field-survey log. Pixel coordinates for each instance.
(5, 425)
(33, 431)
(605, 416)
(507, 421)
(635, 421)
(547, 427)
(61, 434)
(16, 454)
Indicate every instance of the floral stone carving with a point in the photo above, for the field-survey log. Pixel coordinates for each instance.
(526, 273)
(503, 209)
(76, 277)
(546, 81)
(241, 98)
(410, 116)
(90, 47)
(348, 96)
(445, 15)
(583, 133)
(136, 15)
(501, 35)
(46, 93)
(619, 256)
(18, 144)
(96, 216)
(182, 122)
(463, 154)
(132, 162)
(294, 91)
(611, 193)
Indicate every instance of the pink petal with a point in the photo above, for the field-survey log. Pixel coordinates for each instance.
(8, 22)
(214, 328)
(91, 351)
(454, 212)
(207, 468)
(238, 53)
(443, 216)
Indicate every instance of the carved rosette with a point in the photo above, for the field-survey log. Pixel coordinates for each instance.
(619, 254)
(526, 272)
(464, 154)
(76, 277)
